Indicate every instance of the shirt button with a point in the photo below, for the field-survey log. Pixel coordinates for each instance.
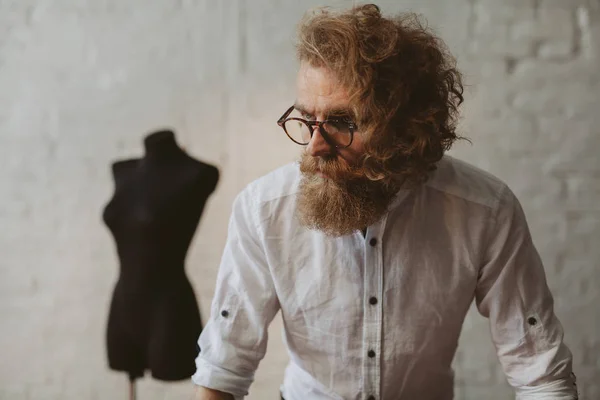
(225, 313)
(373, 301)
(532, 321)
(373, 242)
(371, 353)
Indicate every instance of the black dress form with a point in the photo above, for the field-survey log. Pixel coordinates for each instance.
(154, 321)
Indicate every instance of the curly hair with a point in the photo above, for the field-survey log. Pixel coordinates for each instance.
(404, 87)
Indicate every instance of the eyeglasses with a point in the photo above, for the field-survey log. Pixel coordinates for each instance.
(338, 132)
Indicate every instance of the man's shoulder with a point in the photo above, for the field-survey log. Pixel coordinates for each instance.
(461, 179)
(279, 183)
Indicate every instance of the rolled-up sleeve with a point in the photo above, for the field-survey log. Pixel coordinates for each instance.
(513, 293)
(234, 339)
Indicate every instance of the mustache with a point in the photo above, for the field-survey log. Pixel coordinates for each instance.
(332, 167)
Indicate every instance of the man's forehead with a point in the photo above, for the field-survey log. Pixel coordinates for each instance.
(319, 92)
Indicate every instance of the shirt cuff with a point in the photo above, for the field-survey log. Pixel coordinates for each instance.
(213, 377)
(563, 389)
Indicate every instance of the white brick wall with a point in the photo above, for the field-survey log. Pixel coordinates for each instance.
(82, 81)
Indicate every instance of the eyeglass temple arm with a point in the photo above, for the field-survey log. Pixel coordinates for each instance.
(285, 115)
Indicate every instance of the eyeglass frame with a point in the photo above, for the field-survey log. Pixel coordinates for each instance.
(319, 124)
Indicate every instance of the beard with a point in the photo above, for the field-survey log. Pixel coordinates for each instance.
(342, 202)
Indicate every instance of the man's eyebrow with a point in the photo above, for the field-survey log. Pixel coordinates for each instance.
(301, 108)
(334, 111)
(338, 112)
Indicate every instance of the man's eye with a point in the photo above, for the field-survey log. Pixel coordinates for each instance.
(308, 116)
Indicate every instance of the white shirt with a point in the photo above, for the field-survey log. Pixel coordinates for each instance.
(378, 317)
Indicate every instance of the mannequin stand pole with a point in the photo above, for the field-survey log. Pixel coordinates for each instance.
(131, 388)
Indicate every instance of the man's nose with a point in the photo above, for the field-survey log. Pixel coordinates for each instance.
(318, 146)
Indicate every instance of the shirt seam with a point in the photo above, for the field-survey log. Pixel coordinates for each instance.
(491, 207)
(494, 211)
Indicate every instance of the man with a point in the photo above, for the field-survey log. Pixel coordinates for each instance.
(375, 245)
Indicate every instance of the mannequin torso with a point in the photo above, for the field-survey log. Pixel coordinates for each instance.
(154, 321)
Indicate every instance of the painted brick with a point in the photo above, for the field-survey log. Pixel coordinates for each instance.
(83, 81)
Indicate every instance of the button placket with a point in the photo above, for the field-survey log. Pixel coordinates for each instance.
(373, 287)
